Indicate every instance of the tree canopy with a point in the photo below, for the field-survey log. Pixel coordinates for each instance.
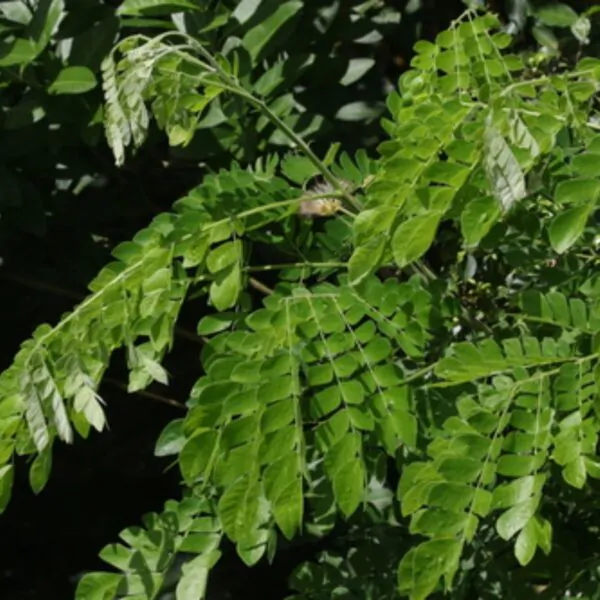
(357, 241)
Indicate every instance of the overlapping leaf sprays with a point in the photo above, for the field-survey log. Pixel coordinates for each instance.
(302, 396)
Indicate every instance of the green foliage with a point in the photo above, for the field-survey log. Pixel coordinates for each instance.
(147, 554)
(414, 327)
(250, 431)
(366, 570)
(495, 453)
(53, 149)
(465, 131)
(252, 40)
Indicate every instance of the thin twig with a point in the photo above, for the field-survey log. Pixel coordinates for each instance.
(146, 394)
(58, 291)
(429, 274)
(42, 286)
(261, 287)
(188, 335)
(297, 139)
(298, 265)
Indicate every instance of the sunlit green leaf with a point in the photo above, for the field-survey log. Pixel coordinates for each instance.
(414, 237)
(17, 52)
(194, 579)
(567, 227)
(197, 455)
(141, 7)
(422, 567)
(73, 80)
(256, 39)
(39, 472)
(171, 439)
(225, 290)
(98, 586)
(478, 218)
(556, 14)
(526, 543)
(6, 481)
(515, 519)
